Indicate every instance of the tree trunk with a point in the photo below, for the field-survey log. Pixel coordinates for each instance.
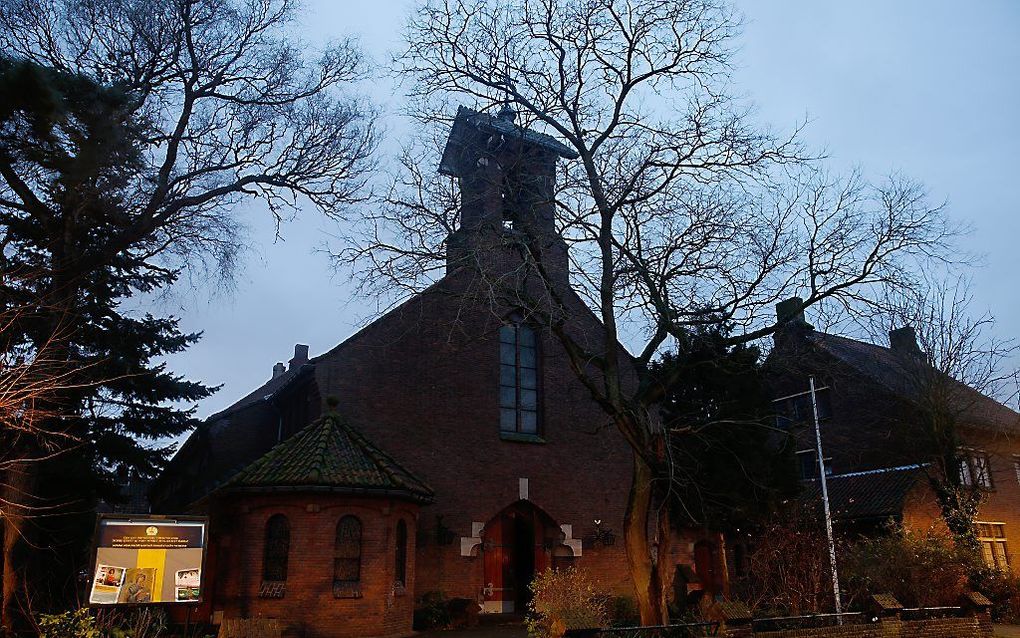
(644, 568)
(15, 609)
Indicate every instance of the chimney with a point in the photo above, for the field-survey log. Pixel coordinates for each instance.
(279, 369)
(791, 312)
(904, 340)
(790, 319)
(300, 356)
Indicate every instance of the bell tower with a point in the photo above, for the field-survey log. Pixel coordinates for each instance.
(507, 177)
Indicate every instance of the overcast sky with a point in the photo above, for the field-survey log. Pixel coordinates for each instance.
(924, 87)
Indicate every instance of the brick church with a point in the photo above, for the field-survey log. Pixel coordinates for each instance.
(446, 447)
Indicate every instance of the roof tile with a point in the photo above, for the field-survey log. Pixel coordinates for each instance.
(330, 454)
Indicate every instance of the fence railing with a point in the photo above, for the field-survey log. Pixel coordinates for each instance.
(810, 621)
(680, 630)
(930, 613)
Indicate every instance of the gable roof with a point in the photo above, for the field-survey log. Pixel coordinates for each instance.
(266, 391)
(897, 372)
(874, 494)
(468, 119)
(329, 454)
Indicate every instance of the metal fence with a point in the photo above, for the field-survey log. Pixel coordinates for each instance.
(811, 621)
(930, 613)
(682, 630)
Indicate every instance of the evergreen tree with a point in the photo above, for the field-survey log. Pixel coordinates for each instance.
(78, 143)
(729, 465)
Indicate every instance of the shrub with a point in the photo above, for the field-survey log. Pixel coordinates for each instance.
(69, 624)
(624, 611)
(1003, 589)
(107, 623)
(432, 611)
(919, 568)
(566, 599)
(777, 585)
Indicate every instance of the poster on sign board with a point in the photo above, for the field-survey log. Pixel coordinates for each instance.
(148, 560)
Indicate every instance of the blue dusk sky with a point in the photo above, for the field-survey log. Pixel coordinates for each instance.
(928, 88)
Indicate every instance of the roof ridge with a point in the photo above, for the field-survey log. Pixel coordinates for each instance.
(329, 453)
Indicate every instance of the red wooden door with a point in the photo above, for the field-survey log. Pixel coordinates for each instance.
(496, 566)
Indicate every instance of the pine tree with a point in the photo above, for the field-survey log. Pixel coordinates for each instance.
(730, 466)
(79, 144)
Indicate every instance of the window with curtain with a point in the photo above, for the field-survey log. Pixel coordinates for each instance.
(277, 549)
(347, 558)
(400, 575)
(518, 378)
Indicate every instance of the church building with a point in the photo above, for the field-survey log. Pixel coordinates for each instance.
(445, 447)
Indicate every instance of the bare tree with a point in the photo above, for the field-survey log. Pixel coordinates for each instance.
(954, 371)
(200, 106)
(30, 378)
(678, 210)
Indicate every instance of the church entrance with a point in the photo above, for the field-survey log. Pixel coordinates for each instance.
(516, 545)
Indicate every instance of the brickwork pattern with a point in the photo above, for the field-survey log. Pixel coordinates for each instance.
(422, 384)
(308, 607)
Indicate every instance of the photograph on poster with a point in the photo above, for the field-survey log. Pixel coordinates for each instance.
(148, 561)
(138, 585)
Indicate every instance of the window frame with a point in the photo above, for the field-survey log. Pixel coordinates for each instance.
(516, 327)
(400, 555)
(348, 587)
(802, 454)
(994, 546)
(275, 562)
(972, 473)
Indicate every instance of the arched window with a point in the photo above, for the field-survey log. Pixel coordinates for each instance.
(518, 378)
(400, 576)
(347, 558)
(274, 559)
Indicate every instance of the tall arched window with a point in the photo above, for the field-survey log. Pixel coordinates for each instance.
(518, 378)
(347, 558)
(400, 576)
(277, 548)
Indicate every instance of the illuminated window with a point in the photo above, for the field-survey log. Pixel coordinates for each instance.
(993, 544)
(518, 379)
(277, 549)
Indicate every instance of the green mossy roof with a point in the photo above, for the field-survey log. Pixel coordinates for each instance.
(330, 454)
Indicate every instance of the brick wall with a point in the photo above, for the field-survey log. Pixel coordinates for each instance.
(308, 607)
(883, 619)
(422, 384)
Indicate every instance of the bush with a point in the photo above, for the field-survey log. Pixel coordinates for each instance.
(108, 623)
(566, 599)
(921, 569)
(624, 611)
(1003, 589)
(431, 612)
(69, 624)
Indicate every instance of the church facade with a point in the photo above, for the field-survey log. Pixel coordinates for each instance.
(515, 467)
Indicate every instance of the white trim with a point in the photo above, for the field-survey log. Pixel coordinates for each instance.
(498, 607)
